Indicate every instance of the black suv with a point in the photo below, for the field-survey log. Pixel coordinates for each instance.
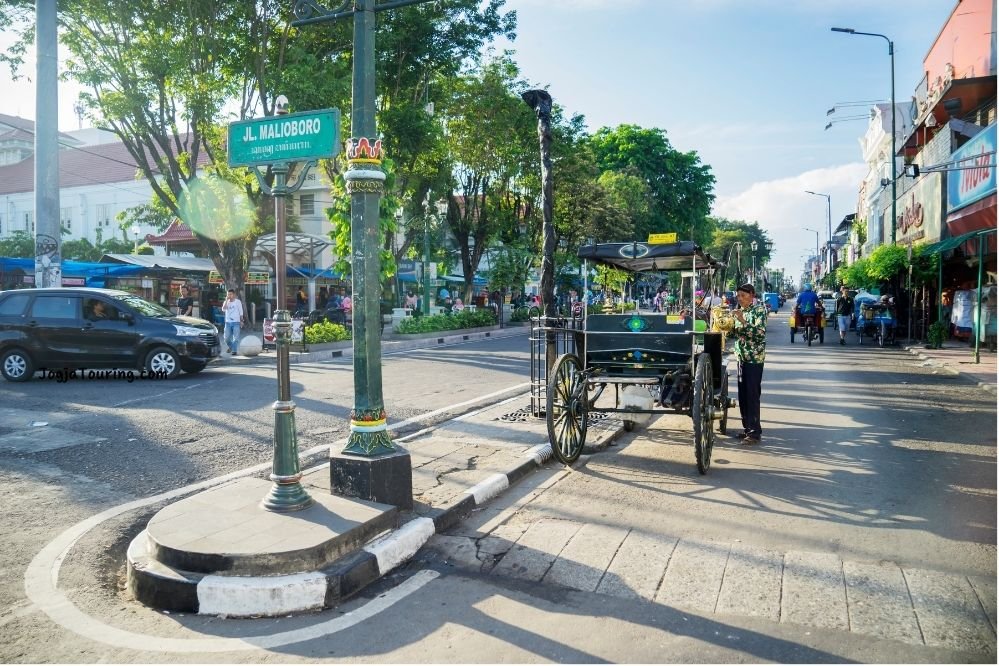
(78, 328)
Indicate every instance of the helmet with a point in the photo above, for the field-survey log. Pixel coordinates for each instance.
(807, 286)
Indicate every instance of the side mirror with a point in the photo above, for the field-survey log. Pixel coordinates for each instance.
(129, 317)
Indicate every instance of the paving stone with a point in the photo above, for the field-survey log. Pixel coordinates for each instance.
(949, 612)
(583, 561)
(813, 591)
(751, 585)
(985, 588)
(878, 601)
(536, 549)
(694, 575)
(638, 566)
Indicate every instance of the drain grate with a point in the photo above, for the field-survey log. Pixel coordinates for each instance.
(524, 414)
(518, 416)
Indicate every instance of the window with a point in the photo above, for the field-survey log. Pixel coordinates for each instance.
(307, 204)
(104, 215)
(66, 218)
(14, 305)
(55, 307)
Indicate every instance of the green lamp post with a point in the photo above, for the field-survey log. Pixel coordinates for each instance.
(370, 466)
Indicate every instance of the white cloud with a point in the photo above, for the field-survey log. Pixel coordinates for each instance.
(784, 210)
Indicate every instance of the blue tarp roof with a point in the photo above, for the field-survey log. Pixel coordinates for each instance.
(94, 272)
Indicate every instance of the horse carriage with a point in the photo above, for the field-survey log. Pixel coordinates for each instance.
(656, 362)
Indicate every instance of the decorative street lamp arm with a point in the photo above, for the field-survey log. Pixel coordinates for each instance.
(310, 11)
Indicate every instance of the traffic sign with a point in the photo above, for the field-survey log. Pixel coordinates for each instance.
(662, 238)
(308, 135)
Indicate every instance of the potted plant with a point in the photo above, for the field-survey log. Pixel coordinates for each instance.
(936, 334)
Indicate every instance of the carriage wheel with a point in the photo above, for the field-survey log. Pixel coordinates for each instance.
(808, 335)
(598, 391)
(882, 334)
(567, 407)
(723, 422)
(792, 335)
(703, 413)
(822, 335)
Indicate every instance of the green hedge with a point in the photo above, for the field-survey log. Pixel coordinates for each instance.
(325, 332)
(447, 322)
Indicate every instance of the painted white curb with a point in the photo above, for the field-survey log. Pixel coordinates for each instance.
(236, 596)
(396, 547)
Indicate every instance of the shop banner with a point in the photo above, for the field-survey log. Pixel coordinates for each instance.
(920, 212)
(976, 177)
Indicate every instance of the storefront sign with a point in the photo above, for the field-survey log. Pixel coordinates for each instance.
(976, 177)
(920, 212)
(251, 278)
(66, 281)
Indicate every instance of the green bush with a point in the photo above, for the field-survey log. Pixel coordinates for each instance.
(447, 322)
(325, 332)
(937, 333)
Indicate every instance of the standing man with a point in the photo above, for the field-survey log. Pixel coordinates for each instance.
(844, 311)
(234, 317)
(750, 350)
(185, 304)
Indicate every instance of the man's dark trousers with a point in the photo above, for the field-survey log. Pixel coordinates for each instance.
(750, 383)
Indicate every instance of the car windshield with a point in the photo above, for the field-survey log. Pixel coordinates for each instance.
(143, 306)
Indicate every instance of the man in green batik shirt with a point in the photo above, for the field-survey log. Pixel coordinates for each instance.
(750, 350)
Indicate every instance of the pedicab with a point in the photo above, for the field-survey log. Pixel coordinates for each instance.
(877, 321)
(657, 362)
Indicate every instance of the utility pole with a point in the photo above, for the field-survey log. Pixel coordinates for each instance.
(48, 257)
(370, 466)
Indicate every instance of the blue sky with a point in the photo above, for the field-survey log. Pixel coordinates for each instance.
(744, 83)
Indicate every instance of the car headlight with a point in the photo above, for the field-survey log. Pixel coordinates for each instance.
(188, 330)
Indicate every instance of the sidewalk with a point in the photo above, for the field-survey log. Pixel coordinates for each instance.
(218, 552)
(958, 358)
(191, 557)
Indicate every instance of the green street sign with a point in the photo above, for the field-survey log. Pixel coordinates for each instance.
(308, 135)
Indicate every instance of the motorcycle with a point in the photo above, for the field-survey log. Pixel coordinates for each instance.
(812, 326)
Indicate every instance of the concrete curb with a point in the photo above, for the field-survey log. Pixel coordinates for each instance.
(255, 596)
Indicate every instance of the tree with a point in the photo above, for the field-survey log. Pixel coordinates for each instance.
(492, 143)
(680, 187)
(18, 245)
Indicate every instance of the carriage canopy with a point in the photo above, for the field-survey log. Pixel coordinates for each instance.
(649, 257)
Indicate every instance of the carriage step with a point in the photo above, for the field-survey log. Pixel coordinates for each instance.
(626, 380)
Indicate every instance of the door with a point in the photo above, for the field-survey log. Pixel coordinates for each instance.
(110, 334)
(53, 327)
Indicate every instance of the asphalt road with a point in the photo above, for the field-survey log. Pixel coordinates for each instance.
(867, 456)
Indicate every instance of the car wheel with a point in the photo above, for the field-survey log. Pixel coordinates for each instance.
(17, 366)
(163, 361)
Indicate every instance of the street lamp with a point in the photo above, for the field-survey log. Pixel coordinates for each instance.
(891, 54)
(769, 246)
(817, 258)
(828, 220)
(753, 246)
(135, 239)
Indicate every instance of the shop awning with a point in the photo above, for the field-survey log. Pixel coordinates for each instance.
(954, 242)
(476, 281)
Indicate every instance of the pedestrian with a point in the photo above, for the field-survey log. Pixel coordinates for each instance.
(185, 304)
(232, 309)
(410, 301)
(750, 334)
(844, 311)
(324, 297)
(300, 301)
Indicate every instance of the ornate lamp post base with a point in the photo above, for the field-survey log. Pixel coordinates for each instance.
(387, 479)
